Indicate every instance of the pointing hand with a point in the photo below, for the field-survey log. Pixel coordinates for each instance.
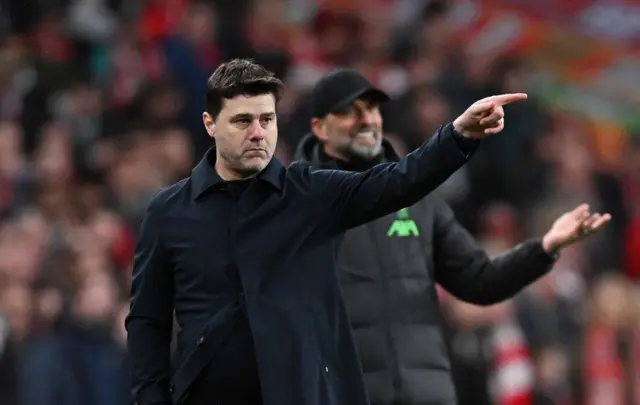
(486, 116)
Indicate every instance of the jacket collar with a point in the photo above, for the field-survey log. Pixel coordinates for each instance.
(205, 177)
(309, 149)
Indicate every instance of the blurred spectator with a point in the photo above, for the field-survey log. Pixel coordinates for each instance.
(609, 346)
(266, 36)
(126, 65)
(631, 186)
(491, 359)
(553, 386)
(14, 171)
(100, 105)
(191, 55)
(570, 177)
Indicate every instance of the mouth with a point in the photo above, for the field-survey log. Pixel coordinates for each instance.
(368, 137)
(254, 151)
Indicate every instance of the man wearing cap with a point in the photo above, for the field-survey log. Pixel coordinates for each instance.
(388, 268)
(243, 252)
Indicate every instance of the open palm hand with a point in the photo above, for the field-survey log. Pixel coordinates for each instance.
(574, 226)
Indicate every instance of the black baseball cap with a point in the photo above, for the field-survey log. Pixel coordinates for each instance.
(338, 89)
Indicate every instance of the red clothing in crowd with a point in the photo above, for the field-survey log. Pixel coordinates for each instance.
(606, 369)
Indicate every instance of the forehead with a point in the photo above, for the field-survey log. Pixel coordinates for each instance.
(362, 103)
(365, 101)
(254, 105)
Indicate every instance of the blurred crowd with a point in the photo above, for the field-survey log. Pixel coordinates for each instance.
(100, 104)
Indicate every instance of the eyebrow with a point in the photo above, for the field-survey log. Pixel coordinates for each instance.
(354, 106)
(250, 116)
(368, 102)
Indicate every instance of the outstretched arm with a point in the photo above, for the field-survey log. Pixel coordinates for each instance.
(463, 268)
(357, 198)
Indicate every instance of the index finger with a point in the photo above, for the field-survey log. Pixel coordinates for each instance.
(503, 99)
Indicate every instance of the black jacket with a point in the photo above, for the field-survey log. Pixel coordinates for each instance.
(9, 362)
(280, 239)
(388, 270)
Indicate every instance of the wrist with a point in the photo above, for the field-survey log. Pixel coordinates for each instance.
(460, 129)
(549, 245)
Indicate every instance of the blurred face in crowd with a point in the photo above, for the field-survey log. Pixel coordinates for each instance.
(424, 69)
(86, 100)
(610, 300)
(133, 172)
(10, 147)
(174, 150)
(436, 32)
(515, 79)
(17, 304)
(500, 221)
(35, 227)
(355, 131)
(199, 24)
(431, 109)
(335, 42)
(53, 201)
(246, 134)
(48, 304)
(551, 366)
(96, 300)
(19, 252)
(53, 157)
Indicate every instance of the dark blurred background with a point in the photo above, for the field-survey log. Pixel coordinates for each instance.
(100, 104)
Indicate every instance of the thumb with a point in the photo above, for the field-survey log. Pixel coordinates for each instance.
(482, 108)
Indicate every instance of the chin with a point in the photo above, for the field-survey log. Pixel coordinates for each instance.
(368, 152)
(255, 165)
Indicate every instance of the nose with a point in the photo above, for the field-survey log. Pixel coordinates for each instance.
(368, 118)
(256, 132)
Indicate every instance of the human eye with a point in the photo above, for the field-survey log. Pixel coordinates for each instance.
(243, 122)
(372, 106)
(264, 121)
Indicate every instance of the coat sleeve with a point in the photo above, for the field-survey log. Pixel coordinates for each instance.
(464, 269)
(354, 198)
(150, 320)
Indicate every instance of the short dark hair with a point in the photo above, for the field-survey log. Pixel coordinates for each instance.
(239, 77)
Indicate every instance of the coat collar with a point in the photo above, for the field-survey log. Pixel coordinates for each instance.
(205, 177)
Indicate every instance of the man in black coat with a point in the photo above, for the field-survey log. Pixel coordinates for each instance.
(243, 251)
(389, 267)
